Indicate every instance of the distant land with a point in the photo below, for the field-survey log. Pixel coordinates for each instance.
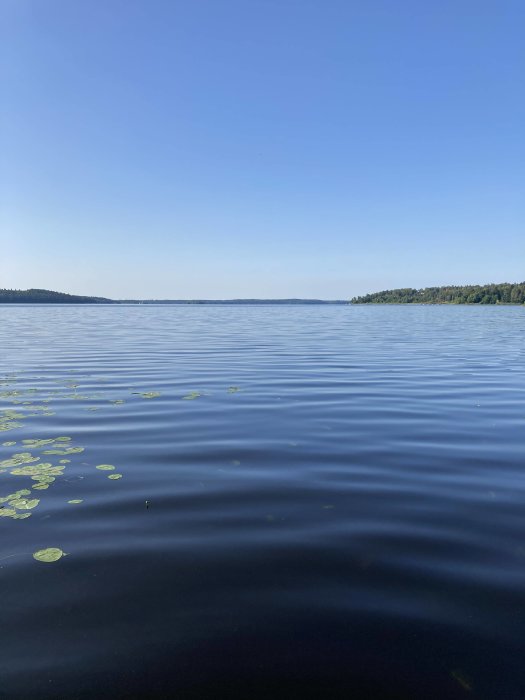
(504, 293)
(471, 294)
(45, 296)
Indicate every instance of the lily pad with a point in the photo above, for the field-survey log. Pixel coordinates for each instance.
(65, 451)
(24, 504)
(114, 476)
(49, 555)
(191, 396)
(37, 443)
(76, 500)
(150, 394)
(105, 467)
(18, 459)
(17, 494)
(7, 512)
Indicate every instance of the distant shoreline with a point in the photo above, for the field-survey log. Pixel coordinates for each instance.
(505, 294)
(45, 296)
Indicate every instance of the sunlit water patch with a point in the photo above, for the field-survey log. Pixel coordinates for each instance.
(254, 502)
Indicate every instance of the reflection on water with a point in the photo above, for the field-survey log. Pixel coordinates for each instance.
(262, 502)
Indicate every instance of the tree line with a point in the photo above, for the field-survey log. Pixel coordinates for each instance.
(44, 296)
(505, 293)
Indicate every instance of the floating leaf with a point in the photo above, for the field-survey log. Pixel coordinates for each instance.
(17, 494)
(76, 500)
(7, 512)
(191, 396)
(150, 394)
(38, 443)
(48, 555)
(42, 469)
(64, 451)
(24, 504)
(105, 467)
(114, 476)
(233, 389)
(9, 425)
(19, 458)
(9, 444)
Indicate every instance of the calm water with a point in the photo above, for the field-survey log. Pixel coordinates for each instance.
(339, 513)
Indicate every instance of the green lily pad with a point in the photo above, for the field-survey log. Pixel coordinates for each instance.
(49, 555)
(9, 425)
(18, 459)
(24, 504)
(17, 494)
(7, 512)
(37, 443)
(64, 451)
(76, 500)
(105, 467)
(191, 396)
(150, 394)
(9, 444)
(114, 476)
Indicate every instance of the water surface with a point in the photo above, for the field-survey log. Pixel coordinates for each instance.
(336, 509)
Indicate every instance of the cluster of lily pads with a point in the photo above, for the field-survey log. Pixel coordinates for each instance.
(19, 504)
(26, 464)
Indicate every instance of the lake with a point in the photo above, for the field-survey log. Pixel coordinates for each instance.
(314, 502)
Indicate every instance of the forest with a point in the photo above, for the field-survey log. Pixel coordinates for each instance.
(506, 293)
(44, 296)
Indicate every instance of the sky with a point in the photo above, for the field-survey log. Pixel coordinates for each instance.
(261, 148)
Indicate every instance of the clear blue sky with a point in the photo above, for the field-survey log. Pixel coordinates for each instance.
(269, 148)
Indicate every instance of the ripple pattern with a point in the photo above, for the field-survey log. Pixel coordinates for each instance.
(314, 502)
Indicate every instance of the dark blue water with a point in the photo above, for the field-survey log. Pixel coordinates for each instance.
(338, 510)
